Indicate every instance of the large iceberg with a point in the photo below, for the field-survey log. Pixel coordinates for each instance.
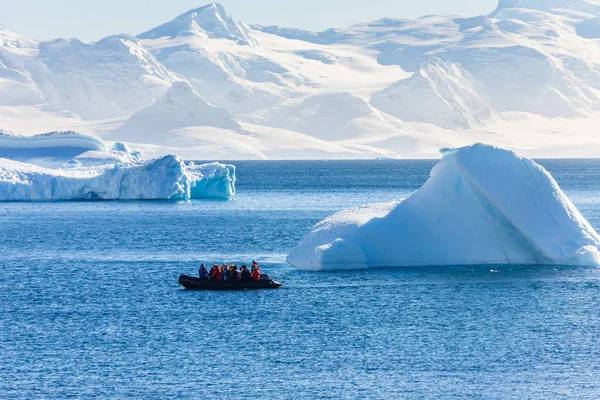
(481, 205)
(167, 178)
(72, 166)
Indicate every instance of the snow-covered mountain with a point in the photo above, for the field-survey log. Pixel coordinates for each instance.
(205, 85)
(331, 117)
(113, 77)
(587, 6)
(181, 107)
(17, 85)
(211, 20)
(458, 99)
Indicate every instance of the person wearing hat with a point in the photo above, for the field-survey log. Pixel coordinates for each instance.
(256, 272)
(224, 272)
(218, 275)
(245, 273)
(213, 272)
(233, 273)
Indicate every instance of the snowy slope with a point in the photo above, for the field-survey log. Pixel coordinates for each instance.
(181, 107)
(458, 99)
(261, 142)
(184, 123)
(587, 6)
(527, 59)
(220, 77)
(331, 117)
(204, 45)
(525, 76)
(113, 77)
(481, 205)
(16, 84)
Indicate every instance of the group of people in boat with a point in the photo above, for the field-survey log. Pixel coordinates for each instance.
(231, 273)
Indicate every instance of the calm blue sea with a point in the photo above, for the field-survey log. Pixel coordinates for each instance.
(90, 306)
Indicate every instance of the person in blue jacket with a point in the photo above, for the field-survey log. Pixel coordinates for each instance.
(203, 273)
(224, 272)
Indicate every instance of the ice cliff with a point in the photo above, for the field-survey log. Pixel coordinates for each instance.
(481, 205)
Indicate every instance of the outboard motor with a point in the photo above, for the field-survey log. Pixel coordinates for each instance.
(265, 277)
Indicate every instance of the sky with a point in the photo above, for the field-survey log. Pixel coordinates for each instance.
(93, 20)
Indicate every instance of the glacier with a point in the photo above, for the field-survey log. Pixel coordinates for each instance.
(481, 205)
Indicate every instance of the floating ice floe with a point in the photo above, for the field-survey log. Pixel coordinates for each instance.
(481, 205)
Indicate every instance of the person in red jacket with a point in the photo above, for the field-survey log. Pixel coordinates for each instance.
(256, 272)
(256, 275)
(218, 275)
(213, 272)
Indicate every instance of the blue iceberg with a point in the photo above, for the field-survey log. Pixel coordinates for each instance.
(481, 205)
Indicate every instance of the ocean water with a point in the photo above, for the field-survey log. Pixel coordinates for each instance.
(90, 306)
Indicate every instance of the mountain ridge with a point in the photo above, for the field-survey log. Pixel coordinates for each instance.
(211, 19)
(589, 6)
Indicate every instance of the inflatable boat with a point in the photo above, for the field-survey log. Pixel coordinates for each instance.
(193, 283)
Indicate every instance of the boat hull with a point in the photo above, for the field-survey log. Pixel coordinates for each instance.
(193, 283)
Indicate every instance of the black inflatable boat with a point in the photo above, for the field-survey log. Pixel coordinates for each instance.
(192, 283)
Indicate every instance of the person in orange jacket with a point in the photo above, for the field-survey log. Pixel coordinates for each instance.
(256, 273)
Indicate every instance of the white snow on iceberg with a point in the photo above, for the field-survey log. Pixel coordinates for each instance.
(167, 178)
(119, 153)
(64, 150)
(56, 146)
(481, 205)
